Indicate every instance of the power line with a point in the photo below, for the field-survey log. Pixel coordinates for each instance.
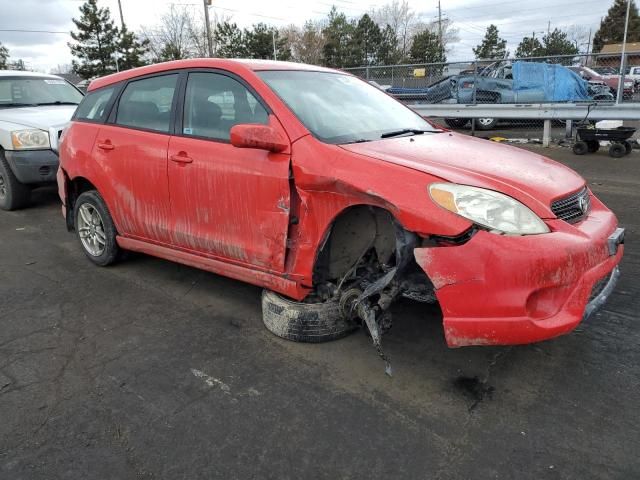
(19, 30)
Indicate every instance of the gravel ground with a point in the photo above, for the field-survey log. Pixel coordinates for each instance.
(149, 369)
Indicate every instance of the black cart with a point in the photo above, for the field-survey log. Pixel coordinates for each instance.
(588, 140)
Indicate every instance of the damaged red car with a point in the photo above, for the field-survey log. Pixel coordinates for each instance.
(336, 199)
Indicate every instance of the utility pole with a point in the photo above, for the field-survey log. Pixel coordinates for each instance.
(439, 24)
(207, 3)
(273, 38)
(548, 27)
(620, 95)
(121, 16)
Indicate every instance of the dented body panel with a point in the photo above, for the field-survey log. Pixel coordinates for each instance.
(265, 216)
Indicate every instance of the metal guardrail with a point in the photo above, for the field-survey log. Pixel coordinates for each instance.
(539, 111)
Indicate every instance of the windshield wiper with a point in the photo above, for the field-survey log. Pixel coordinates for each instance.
(395, 133)
(9, 105)
(56, 103)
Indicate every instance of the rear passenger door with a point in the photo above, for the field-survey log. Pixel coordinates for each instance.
(227, 202)
(132, 150)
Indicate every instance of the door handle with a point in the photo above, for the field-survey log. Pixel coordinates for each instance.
(181, 157)
(106, 145)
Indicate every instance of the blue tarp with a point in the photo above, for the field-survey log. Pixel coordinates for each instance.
(559, 83)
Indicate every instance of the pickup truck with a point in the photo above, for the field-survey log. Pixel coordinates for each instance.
(34, 108)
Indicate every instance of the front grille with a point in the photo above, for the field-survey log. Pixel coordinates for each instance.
(573, 208)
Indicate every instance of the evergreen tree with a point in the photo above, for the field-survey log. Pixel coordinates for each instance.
(367, 38)
(492, 45)
(259, 43)
(529, 47)
(131, 50)
(4, 56)
(612, 26)
(230, 41)
(426, 48)
(338, 33)
(557, 43)
(96, 41)
(387, 53)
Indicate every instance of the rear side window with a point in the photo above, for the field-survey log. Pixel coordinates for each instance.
(147, 103)
(94, 105)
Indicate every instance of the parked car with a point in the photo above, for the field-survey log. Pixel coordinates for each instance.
(634, 76)
(34, 108)
(335, 198)
(495, 84)
(610, 80)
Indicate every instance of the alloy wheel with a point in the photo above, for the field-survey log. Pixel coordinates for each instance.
(3, 187)
(91, 230)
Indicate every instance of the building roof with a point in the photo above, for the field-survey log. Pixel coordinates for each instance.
(21, 73)
(73, 78)
(616, 48)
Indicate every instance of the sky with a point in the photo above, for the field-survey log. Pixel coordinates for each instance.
(43, 51)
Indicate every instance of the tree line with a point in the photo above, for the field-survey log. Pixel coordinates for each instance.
(391, 34)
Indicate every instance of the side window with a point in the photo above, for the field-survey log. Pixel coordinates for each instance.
(214, 103)
(146, 103)
(94, 105)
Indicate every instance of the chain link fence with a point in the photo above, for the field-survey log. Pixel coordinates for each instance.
(535, 80)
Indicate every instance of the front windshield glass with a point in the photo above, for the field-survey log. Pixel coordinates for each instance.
(32, 91)
(338, 108)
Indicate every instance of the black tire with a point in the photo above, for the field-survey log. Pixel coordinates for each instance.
(304, 322)
(617, 150)
(456, 122)
(580, 148)
(486, 123)
(13, 194)
(628, 147)
(93, 200)
(593, 146)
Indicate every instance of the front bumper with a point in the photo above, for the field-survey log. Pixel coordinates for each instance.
(508, 290)
(33, 166)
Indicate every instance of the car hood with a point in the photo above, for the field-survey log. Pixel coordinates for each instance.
(532, 179)
(38, 117)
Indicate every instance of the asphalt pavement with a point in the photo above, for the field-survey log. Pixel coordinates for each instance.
(152, 370)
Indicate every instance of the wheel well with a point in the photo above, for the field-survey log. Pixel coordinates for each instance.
(75, 188)
(353, 233)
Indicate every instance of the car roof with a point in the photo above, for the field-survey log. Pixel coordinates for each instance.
(235, 65)
(22, 73)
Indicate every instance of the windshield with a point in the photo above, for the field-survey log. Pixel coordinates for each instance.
(338, 108)
(32, 91)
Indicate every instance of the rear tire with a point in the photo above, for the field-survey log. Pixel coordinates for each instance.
(304, 322)
(580, 148)
(486, 123)
(628, 147)
(95, 229)
(13, 194)
(617, 150)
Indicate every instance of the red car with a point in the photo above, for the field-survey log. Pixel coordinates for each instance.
(335, 198)
(612, 81)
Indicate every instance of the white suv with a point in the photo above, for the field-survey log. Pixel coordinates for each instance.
(34, 108)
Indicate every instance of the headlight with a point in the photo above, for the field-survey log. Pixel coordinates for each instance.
(487, 208)
(26, 139)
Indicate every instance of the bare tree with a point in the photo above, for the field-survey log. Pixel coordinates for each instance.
(305, 43)
(62, 68)
(578, 35)
(401, 18)
(171, 39)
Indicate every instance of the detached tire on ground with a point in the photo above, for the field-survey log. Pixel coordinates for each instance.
(13, 194)
(304, 322)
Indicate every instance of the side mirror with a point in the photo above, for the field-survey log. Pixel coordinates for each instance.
(263, 137)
